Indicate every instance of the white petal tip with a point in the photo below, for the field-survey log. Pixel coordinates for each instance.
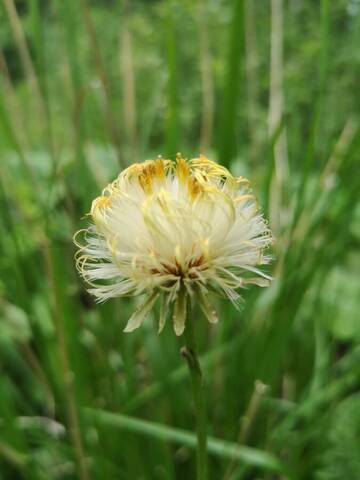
(207, 308)
(160, 329)
(179, 331)
(140, 313)
(129, 329)
(214, 318)
(179, 315)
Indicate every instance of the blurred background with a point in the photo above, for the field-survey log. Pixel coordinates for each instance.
(271, 90)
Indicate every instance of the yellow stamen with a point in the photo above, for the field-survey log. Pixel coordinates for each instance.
(195, 188)
(182, 169)
(100, 203)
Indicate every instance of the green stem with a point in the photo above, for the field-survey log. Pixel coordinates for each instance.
(190, 353)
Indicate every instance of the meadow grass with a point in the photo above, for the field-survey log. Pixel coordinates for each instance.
(270, 90)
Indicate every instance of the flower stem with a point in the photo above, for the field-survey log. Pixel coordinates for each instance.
(190, 353)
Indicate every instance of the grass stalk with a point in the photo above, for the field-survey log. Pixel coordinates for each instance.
(207, 82)
(228, 124)
(15, 113)
(172, 117)
(276, 107)
(260, 390)
(101, 71)
(252, 77)
(191, 356)
(220, 448)
(128, 84)
(73, 420)
(177, 376)
(23, 50)
(13, 457)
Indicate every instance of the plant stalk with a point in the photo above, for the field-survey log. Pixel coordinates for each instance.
(191, 356)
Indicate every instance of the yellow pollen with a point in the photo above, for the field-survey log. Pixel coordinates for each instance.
(101, 202)
(182, 169)
(146, 177)
(195, 187)
(159, 168)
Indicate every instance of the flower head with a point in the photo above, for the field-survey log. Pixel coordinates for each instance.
(176, 230)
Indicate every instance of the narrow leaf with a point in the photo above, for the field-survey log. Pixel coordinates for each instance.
(221, 448)
(163, 312)
(179, 316)
(140, 313)
(207, 308)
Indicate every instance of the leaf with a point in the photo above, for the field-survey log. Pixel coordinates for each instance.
(163, 312)
(207, 308)
(179, 316)
(140, 313)
(221, 448)
(15, 326)
(341, 458)
(259, 281)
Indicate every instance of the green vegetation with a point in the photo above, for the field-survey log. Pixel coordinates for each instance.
(269, 89)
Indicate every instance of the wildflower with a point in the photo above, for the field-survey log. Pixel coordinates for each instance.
(178, 230)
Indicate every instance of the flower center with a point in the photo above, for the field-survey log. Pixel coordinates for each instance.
(181, 271)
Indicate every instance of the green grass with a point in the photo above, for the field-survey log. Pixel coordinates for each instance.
(80, 399)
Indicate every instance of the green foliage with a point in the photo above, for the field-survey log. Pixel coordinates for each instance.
(90, 85)
(340, 459)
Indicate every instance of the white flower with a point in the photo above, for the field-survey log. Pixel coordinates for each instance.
(175, 230)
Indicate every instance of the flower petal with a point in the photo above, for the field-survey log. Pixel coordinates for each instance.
(177, 228)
